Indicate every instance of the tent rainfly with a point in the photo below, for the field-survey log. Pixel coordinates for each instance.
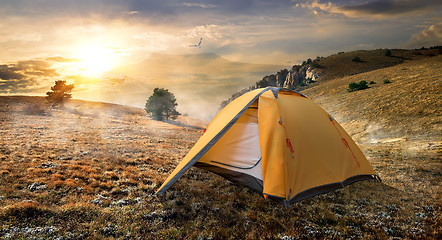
(280, 144)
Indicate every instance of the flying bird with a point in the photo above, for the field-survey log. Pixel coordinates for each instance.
(197, 45)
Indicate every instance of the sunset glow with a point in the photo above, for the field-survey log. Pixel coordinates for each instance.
(124, 49)
(95, 60)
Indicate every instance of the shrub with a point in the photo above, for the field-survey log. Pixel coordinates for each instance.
(388, 52)
(357, 86)
(309, 80)
(316, 65)
(386, 81)
(372, 82)
(356, 59)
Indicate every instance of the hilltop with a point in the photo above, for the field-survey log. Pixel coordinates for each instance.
(342, 64)
(314, 72)
(90, 170)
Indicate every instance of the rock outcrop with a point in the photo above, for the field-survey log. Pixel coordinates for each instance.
(266, 81)
(273, 80)
(300, 76)
(311, 74)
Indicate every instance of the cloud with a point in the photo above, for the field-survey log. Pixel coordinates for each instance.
(205, 31)
(24, 76)
(200, 5)
(8, 72)
(155, 40)
(105, 81)
(132, 12)
(374, 9)
(62, 59)
(432, 36)
(23, 37)
(36, 68)
(21, 69)
(13, 86)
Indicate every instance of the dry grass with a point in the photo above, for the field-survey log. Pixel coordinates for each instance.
(90, 171)
(341, 65)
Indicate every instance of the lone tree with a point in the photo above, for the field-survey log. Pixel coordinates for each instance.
(162, 105)
(60, 93)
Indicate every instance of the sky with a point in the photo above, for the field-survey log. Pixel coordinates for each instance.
(91, 42)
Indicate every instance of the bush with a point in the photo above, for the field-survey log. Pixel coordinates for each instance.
(388, 52)
(316, 65)
(372, 82)
(309, 80)
(356, 59)
(386, 81)
(357, 86)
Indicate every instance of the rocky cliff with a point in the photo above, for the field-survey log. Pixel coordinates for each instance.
(297, 76)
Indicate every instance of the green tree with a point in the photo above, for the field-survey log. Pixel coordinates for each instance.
(59, 93)
(162, 105)
(388, 52)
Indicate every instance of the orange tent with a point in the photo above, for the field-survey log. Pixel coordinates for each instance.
(279, 143)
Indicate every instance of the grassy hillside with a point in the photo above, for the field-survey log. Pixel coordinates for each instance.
(342, 64)
(411, 100)
(90, 171)
(398, 125)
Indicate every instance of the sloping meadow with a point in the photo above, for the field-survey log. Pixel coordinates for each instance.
(90, 171)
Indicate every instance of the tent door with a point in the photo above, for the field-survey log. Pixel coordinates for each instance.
(239, 148)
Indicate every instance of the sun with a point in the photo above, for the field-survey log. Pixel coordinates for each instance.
(95, 60)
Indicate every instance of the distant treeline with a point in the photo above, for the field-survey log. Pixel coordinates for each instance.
(433, 47)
